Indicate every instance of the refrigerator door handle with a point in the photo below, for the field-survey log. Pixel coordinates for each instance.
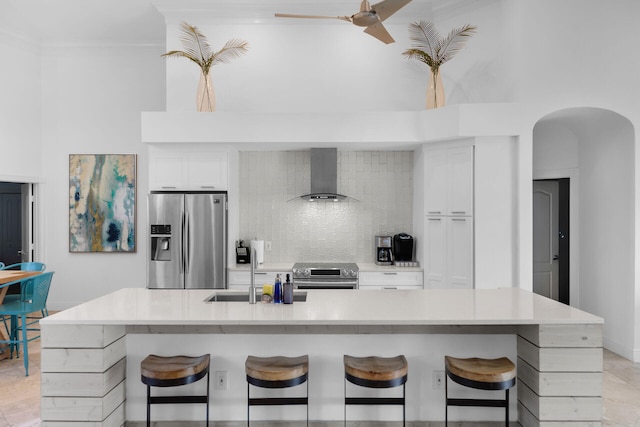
(183, 261)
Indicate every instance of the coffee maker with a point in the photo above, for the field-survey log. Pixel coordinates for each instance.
(384, 253)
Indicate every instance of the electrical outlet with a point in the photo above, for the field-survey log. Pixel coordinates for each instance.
(267, 245)
(221, 380)
(438, 380)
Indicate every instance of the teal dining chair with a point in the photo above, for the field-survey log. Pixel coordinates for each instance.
(25, 266)
(1, 265)
(18, 311)
(25, 288)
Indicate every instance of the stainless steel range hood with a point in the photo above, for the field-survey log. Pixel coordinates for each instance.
(324, 175)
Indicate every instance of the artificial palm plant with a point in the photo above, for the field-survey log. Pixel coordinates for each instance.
(434, 50)
(197, 49)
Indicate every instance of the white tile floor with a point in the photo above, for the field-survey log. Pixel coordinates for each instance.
(20, 395)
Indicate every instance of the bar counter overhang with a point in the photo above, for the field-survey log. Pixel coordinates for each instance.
(84, 348)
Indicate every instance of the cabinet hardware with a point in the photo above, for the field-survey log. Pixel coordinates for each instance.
(435, 212)
(458, 212)
(458, 219)
(434, 219)
(389, 274)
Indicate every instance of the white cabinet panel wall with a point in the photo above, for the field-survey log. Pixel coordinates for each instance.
(187, 168)
(449, 222)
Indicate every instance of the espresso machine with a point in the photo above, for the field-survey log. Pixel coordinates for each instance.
(384, 252)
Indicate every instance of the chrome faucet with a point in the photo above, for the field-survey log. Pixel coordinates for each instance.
(252, 287)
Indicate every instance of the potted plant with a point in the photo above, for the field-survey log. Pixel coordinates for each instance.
(434, 50)
(197, 49)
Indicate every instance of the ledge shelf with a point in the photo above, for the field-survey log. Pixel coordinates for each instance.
(389, 129)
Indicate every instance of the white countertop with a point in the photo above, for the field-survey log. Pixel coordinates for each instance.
(169, 307)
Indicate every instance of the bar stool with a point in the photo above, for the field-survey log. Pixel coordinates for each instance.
(277, 372)
(483, 374)
(159, 371)
(375, 372)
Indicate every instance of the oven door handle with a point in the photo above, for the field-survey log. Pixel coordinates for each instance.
(324, 283)
(326, 286)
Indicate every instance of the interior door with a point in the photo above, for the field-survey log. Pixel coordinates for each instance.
(10, 223)
(545, 238)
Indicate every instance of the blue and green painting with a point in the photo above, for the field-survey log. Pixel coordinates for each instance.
(102, 201)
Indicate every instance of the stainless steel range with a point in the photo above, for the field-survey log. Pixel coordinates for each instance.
(325, 275)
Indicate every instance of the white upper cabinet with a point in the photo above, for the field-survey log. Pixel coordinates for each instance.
(173, 169)
(449, 181)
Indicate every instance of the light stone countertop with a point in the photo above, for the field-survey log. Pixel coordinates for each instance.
(174, 307)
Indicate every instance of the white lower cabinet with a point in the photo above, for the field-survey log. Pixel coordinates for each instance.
(448, 260)
(241, 279)
(368, 280)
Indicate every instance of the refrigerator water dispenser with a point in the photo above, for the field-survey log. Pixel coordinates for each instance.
(161, 243)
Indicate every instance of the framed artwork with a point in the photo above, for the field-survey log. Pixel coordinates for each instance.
(102, 203)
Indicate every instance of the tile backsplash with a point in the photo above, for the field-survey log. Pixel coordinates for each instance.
(303, 231)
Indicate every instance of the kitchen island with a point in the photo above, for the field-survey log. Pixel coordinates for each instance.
(91, 352)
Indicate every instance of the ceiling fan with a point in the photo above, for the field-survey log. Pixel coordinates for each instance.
(369, 16)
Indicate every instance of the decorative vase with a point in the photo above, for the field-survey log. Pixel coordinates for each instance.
(435, 90)
(206, 100)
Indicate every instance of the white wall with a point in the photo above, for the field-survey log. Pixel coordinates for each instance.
(20, 109)
(596, 148)
(92, 99)
(606, 226)
(494, 212)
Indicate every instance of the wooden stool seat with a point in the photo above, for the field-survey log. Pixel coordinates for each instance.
(492, 374)
(276, 372)
(159, 370)
(373, 368)
(375, 372)
(484, 374)
(170, 371)
(277, 368)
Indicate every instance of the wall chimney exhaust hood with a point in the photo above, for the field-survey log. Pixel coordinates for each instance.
(324, 175)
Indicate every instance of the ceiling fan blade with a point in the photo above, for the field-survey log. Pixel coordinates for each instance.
(386, 8)
(290, 15)
(380, 32)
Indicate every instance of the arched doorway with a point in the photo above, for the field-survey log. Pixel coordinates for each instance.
(595, 149)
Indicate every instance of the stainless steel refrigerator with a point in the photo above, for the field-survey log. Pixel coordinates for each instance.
(187, 240)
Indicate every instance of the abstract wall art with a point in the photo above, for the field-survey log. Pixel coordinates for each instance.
(102, 203)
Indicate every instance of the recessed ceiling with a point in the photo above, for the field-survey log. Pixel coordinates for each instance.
(86, 22)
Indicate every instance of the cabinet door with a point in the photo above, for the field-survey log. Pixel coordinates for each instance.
(435, 267)
(435, 198)
(460, 252)
(449, 181)
(460, 181)
(167, 172)
(207, 171)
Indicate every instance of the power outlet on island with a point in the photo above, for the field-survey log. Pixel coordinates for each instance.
(438, 380)
(267, 245)
(221, 380)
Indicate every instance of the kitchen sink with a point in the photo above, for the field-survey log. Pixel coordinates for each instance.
(244, 297)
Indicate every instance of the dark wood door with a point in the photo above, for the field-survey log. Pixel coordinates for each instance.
(10, 225)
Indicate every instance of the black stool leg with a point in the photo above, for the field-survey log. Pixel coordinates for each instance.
(506, 406)
(208, 376)
(248, 404)
(446, 402)
(404, 406)
(345, 402)
(148, 406)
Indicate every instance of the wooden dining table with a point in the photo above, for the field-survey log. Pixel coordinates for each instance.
(7, 276)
